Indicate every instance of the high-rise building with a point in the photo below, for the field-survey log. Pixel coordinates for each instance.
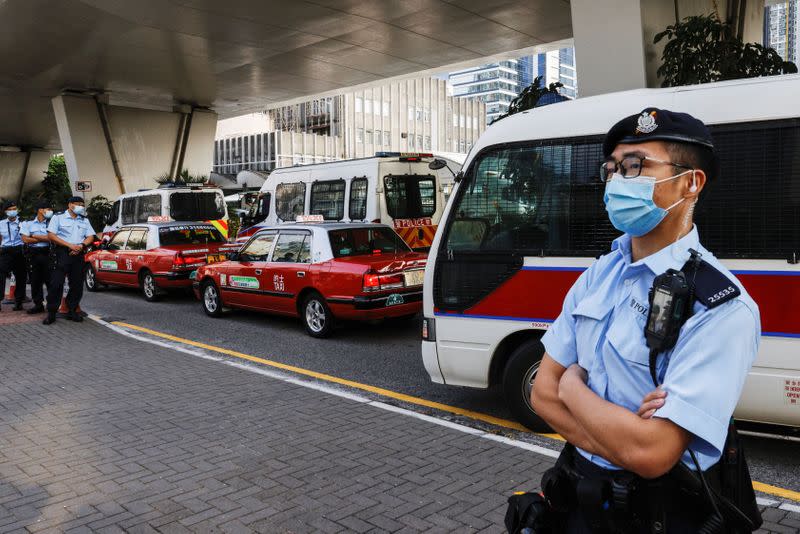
(558, 66)
(416, 115)
(782, 29)
(495, 84)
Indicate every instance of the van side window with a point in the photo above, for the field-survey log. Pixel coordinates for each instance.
(533, 199)
(262, 210)
(113, 215)
(410, 196)
(128, 210)
(358, 199)
(147, 206)
(290, 200)
(327, 199)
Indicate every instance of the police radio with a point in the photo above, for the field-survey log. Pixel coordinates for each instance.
(670, 298)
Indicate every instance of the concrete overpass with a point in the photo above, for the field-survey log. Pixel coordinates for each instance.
(132, 90)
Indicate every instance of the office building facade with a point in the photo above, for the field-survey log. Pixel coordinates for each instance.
(495, 84)
(558, 66)
(782, 29)
(416, 115)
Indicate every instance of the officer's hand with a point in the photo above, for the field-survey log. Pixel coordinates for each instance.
(579, 371)
(652, 402)
(75, 248)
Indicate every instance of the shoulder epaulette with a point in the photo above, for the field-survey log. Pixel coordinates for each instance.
(711, 286)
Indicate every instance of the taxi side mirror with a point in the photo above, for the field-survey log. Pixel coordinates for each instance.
(233, 256)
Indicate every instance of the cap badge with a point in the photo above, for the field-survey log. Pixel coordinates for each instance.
(646, 122)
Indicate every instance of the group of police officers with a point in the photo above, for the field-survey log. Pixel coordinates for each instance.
(49, 247)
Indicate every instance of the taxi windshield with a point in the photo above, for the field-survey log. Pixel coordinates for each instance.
(362, 241)
(189, 235)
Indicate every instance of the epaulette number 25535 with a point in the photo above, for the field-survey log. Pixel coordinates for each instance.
(721, 295)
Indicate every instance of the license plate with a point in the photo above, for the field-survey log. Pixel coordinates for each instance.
(414, 278)
(394, 300)
(214, 258)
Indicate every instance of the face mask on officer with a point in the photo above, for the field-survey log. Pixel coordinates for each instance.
(11, 213)
(48, 214)
(630, 205)
(78, 209)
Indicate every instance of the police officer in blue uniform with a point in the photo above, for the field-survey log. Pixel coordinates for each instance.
(70, 233)
(12, 258)
(37, 243)
(626, 440)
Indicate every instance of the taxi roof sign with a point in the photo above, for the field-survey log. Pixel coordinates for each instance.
(309, 218)
(159, 218)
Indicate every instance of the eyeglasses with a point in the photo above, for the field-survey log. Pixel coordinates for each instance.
(630, 167)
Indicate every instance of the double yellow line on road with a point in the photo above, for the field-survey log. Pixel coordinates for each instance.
(497, 421)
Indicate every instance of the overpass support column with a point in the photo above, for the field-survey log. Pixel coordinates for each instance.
(21, 170)
(123, 149)
(614, 48)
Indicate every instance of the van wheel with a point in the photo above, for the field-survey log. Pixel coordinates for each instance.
(90, 279)
(518, 379)
(147, 283)
(317, 316)
(210, 299)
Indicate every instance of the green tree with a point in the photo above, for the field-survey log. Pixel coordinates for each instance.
(183, 178)
(55, 186)
(529, 97)
(97, 211)
(704, 49)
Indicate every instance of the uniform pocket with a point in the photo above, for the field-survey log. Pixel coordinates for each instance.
(627, 339)
(589, 316)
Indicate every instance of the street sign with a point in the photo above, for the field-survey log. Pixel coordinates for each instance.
(85, 186)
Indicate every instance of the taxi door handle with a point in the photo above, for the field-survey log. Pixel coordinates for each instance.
(301, 274)
(258, 271)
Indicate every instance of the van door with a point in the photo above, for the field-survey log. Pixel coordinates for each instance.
(410, 201)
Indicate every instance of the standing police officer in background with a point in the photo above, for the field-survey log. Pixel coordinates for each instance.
(70, 232)
(595, 384)
(34, 234)
(12, 259)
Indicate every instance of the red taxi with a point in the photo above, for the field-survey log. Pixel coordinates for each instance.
(154, 256)
(319, 272)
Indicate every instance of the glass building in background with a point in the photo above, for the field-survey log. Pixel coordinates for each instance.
(781, 28)
(558, 66)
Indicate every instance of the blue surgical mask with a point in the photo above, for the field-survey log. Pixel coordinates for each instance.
(48, 214)
(11, 214)
(630, 205)
(79, 210)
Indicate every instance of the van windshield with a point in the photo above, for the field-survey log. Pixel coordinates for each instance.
(189, 235)
(362, 241)
(196, 206)
(410, 196)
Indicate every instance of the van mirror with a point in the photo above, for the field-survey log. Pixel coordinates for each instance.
(437, 164)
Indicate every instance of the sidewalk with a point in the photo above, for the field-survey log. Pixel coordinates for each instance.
(100, 432)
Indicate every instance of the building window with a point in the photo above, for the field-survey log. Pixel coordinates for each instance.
(461, 121)
(359, 104)
(368, 138)
(410, 113)
(387, 139)
(419, 114)
(411, 142)
(367, 105)
(419, 142)
(455, 121)
(426, 115)
(359, 135)
(469, 121)
(427, 142)
(327, 199)
(376, 107)
(358, 199)
(385, 109)
(378, 137)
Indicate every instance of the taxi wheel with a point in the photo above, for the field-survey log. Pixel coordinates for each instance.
(147, 283)
(518, 378)
(210, 299)
(90, 279)
(317, 316)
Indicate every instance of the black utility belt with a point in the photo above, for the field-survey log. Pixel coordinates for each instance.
(39, 250)
(10, 250)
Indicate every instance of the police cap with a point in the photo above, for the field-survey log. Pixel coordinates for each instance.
(76, 199)
(43, 204)
(654, 124)
(9, 203)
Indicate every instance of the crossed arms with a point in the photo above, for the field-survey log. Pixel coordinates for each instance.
(646, 445)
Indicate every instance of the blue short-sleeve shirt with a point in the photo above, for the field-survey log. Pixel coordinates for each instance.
(601, 327)
(71, 229)
(10, 233)
(32, 228)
